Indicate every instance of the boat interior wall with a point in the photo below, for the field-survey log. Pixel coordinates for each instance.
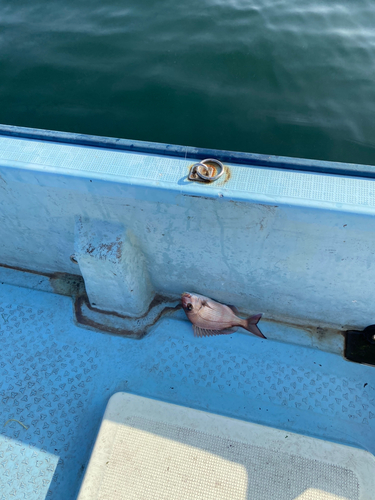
(296, 246)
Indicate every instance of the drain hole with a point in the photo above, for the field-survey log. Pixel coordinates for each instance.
(73, 259)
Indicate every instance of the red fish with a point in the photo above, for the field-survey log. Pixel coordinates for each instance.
(212, 318)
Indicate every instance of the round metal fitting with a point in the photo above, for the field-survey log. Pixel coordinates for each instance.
(73, 259)
(214, 177)
(203, 170)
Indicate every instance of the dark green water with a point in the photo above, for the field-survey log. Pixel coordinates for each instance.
(287, 77)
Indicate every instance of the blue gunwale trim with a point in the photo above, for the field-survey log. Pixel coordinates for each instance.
(156, 148)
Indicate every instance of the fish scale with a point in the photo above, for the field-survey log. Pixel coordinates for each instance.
(211, 318)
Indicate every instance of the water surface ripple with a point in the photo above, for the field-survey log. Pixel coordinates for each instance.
(287, 77)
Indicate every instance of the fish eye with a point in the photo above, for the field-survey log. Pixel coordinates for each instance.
(189, 307)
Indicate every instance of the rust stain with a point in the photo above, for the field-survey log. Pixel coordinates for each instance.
(73, 285)
(227, 174)
(82, 301)
(90, 249)
(104, 249)
(67, 284)
(215, 170)
(62, 283)
(24, 270)
(157, 300)
(197, 196)
(107, 246)
(320, 332)
(268, 207)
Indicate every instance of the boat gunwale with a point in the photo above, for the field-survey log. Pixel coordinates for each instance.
(155, 148)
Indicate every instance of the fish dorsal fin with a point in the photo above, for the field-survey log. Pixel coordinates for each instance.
(204, 332)
(234, 309)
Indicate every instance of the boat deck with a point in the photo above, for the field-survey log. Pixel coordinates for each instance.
(56, 379)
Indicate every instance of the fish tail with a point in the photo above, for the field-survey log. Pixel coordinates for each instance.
(251, 325)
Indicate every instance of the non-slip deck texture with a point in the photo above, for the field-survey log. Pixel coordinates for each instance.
(184, 464)
(266, 181)
(177, 453)
(56, 379)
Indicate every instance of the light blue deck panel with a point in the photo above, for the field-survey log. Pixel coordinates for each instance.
(295, 245)
(56, 378)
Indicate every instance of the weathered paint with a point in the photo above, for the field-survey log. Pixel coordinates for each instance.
(110, 259)
(296, 246)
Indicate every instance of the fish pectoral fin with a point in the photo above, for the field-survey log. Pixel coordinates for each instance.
(204, 332)
(206, 304)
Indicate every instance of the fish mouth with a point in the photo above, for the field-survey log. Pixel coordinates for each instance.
(185, 299)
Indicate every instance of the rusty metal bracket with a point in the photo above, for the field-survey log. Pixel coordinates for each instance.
(207, 170)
